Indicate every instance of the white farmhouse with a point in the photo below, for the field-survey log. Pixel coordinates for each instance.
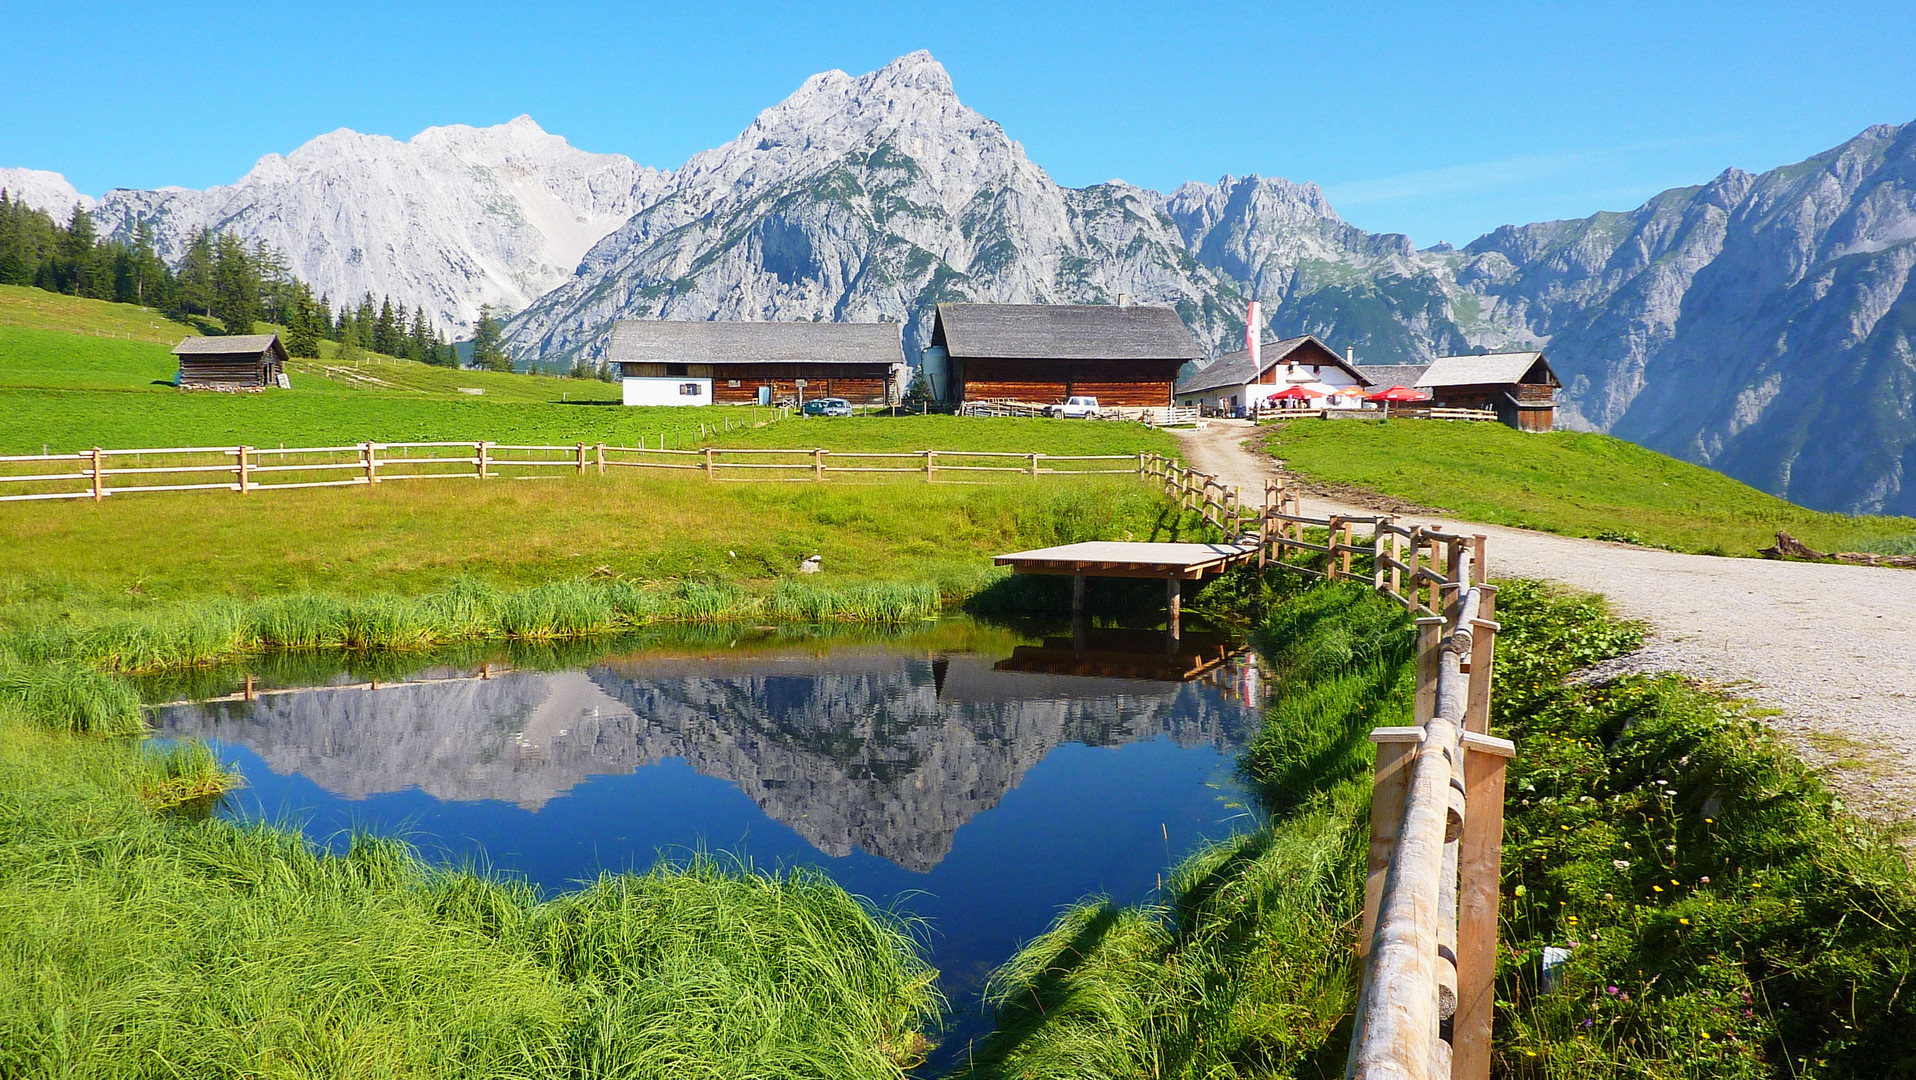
(1236, 384)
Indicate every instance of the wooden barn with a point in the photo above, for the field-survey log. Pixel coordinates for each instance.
(1234, 384)
(747, 363)
(1044, 353)
(1519, 386)
(242, 362)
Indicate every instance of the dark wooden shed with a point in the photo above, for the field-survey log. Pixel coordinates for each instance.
(1519, 386)
(241, 362)
(725, 363)
(1044, 353)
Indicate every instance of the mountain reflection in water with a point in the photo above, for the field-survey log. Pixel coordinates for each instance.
(886, 748)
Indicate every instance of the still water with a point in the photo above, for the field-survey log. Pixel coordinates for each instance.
(979, 777)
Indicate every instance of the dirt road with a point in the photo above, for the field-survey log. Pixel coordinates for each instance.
(1831, 647)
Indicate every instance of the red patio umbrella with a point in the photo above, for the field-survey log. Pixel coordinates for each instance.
(1398, 393)
(1296, 393)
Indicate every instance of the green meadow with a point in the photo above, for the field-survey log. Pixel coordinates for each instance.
(1574, 483)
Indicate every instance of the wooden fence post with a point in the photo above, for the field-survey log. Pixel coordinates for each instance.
(599, 452)
(1480, 870)
(1396, 748)
(370, 451)
(245, 469)
(1034, 464)
(99, 475)
(931, 464)
(581, 459)
(479, 458)
(711, 465)
(1347, 548)
(1330, 538)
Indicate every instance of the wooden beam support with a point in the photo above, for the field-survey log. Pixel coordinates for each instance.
(1480, 872)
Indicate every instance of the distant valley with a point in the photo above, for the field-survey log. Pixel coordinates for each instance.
(1761, 324)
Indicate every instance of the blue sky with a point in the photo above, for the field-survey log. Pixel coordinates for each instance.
(1438, 123)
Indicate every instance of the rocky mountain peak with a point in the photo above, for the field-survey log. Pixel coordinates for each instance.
(45, 191)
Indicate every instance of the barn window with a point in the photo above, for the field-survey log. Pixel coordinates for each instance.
(675, 370)
(688, 389)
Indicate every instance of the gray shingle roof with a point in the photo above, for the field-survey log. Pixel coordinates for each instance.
(649, 341)
(1236, 369)
(1385, 376)
(1066, 332)
(1490, 368)
(237, 345)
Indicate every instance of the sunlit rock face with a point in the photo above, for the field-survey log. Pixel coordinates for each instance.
(450, 219)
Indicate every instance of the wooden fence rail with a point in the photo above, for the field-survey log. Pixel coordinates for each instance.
(97, 473)
(1428, 936)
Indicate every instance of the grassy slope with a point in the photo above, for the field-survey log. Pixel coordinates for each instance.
(1565, 482)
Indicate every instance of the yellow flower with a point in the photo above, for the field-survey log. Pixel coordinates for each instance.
(1685, 922)
(1658, 888)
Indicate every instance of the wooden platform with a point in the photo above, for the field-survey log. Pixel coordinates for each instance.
(1116, 558)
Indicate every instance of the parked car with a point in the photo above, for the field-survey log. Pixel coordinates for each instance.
(828, 406)
(1076, 408)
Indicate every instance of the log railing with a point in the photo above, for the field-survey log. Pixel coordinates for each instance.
(97, 473)
(1428, 936)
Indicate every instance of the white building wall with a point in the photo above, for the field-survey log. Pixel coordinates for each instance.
(667, 390)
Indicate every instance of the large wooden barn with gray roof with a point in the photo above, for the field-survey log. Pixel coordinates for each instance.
(1044, 353)
(743, 363)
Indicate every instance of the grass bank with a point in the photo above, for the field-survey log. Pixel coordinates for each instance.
(73, 562)
(137, 941)
(1725, 916)
(1571, 483)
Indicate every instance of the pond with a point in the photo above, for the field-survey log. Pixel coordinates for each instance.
(978, 777)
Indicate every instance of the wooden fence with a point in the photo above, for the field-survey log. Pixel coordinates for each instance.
(97, 473)
(1429, 931)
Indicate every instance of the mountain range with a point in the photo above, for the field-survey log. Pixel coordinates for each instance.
(1764, 325)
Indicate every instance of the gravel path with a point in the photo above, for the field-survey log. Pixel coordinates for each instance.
(1831, 648)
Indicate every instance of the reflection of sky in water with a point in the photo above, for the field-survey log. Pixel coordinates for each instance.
(980, 799)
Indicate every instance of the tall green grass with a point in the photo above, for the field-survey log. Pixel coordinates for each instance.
(194, 634)
(1726, 916)
(136, 943)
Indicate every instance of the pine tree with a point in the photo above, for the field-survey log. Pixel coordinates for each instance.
(387, 334)
(196, 275)
(419, 340)
(235, 286)
(488, 349)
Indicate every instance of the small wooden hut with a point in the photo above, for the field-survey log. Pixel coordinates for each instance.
(242, 362)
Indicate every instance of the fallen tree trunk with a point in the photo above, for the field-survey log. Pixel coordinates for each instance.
(1789, 547)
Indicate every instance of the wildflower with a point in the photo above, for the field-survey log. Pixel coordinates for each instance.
(1656, 888)
(1621, 864)
(1611, 990)
(1709, 821)
(1674, 881)
(1704, 880)
(1685, 922)
(1518, 891)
